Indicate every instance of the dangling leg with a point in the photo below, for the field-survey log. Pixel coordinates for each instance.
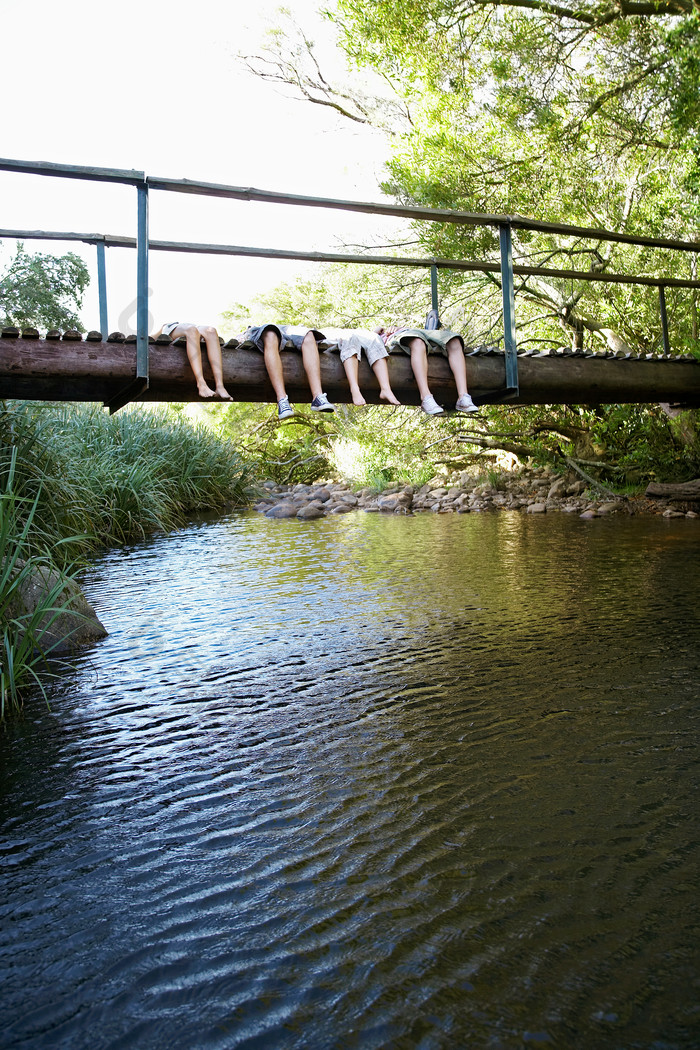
(312, 364)
(273, 362)
(211, 338)
(194, 355)
(352, 369)
(419, 364)
(381, 371)
(458, 367)
(455, 357)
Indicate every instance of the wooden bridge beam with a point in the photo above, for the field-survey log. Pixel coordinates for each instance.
(85, 370)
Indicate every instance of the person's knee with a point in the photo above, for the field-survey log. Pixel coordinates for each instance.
(208, 330)
(309, 343)
(270, 340)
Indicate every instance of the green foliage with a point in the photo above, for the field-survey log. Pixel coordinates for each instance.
(109, 479)
(44, 291)
(339, 296)
(580, 116)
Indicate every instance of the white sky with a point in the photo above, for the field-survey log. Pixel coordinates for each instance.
(155, 85)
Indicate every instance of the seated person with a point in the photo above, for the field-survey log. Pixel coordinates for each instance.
(192, 333)
(418, 343)
(351, 342)
(270, 338)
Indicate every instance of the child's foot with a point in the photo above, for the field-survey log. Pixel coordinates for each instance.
(357, 398)
(284, 409)
(465, 404)
(322, 404)
(223, 393)
(205, 391)
(430, 405)
(388, 395)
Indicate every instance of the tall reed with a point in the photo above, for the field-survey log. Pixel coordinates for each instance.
(27, 636)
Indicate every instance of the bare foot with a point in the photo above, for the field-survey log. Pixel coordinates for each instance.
(357, 398)
(205, 391)
(388, 395)
(223, 393)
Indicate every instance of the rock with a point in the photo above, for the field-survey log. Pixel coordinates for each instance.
(537, 508)
(587, 514)
(282, 510)
(557, 489)
(609, 508)
(315, 509)
(673, 513)
(77, 624)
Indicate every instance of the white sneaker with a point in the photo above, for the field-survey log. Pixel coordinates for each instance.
(430, 405)
(465, 404)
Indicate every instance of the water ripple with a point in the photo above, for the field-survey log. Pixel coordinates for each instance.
(365, 782)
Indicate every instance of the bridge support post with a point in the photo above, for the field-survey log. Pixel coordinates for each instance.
(511, 390)
(102, 288)
(139, 383)
(507, 285)
(434, 288)
(664, 319)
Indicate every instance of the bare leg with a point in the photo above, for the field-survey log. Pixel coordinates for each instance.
(419, 364)
(273, 362)
(194, 355)
(211, 338)
(352, 368)
(381, 371)
(458, 367)
(312, 364)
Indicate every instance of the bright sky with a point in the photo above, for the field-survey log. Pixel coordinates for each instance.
(155, 85)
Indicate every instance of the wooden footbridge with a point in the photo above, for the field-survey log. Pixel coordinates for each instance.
(117, 368)
(69, 367)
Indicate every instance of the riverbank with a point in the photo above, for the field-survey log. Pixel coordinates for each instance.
(530, 491)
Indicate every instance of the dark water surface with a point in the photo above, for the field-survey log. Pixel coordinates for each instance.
(366, 782)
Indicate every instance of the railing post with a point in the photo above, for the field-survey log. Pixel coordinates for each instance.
(664, 319)
(102, 288)
(139, 384)
(507, 285)
(434, 287)
(142, 283)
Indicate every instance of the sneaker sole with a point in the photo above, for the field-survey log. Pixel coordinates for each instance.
(323, 408)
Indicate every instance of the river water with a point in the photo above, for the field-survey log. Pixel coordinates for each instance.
(362, 782)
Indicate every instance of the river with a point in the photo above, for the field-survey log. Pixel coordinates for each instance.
(367, 781)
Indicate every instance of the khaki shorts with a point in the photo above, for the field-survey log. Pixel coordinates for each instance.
(435, 341)
(352, 341)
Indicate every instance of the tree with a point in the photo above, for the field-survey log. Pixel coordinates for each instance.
(585, 115)
(45, 291)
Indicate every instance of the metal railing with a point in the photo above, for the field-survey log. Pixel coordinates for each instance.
(505, 224)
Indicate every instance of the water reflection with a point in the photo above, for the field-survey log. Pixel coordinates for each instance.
(366, 782)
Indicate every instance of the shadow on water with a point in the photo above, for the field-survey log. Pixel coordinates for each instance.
(365, 782)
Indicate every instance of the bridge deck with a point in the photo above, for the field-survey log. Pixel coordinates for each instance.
(70, 367)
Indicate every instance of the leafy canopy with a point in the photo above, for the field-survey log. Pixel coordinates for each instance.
(45, 291)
